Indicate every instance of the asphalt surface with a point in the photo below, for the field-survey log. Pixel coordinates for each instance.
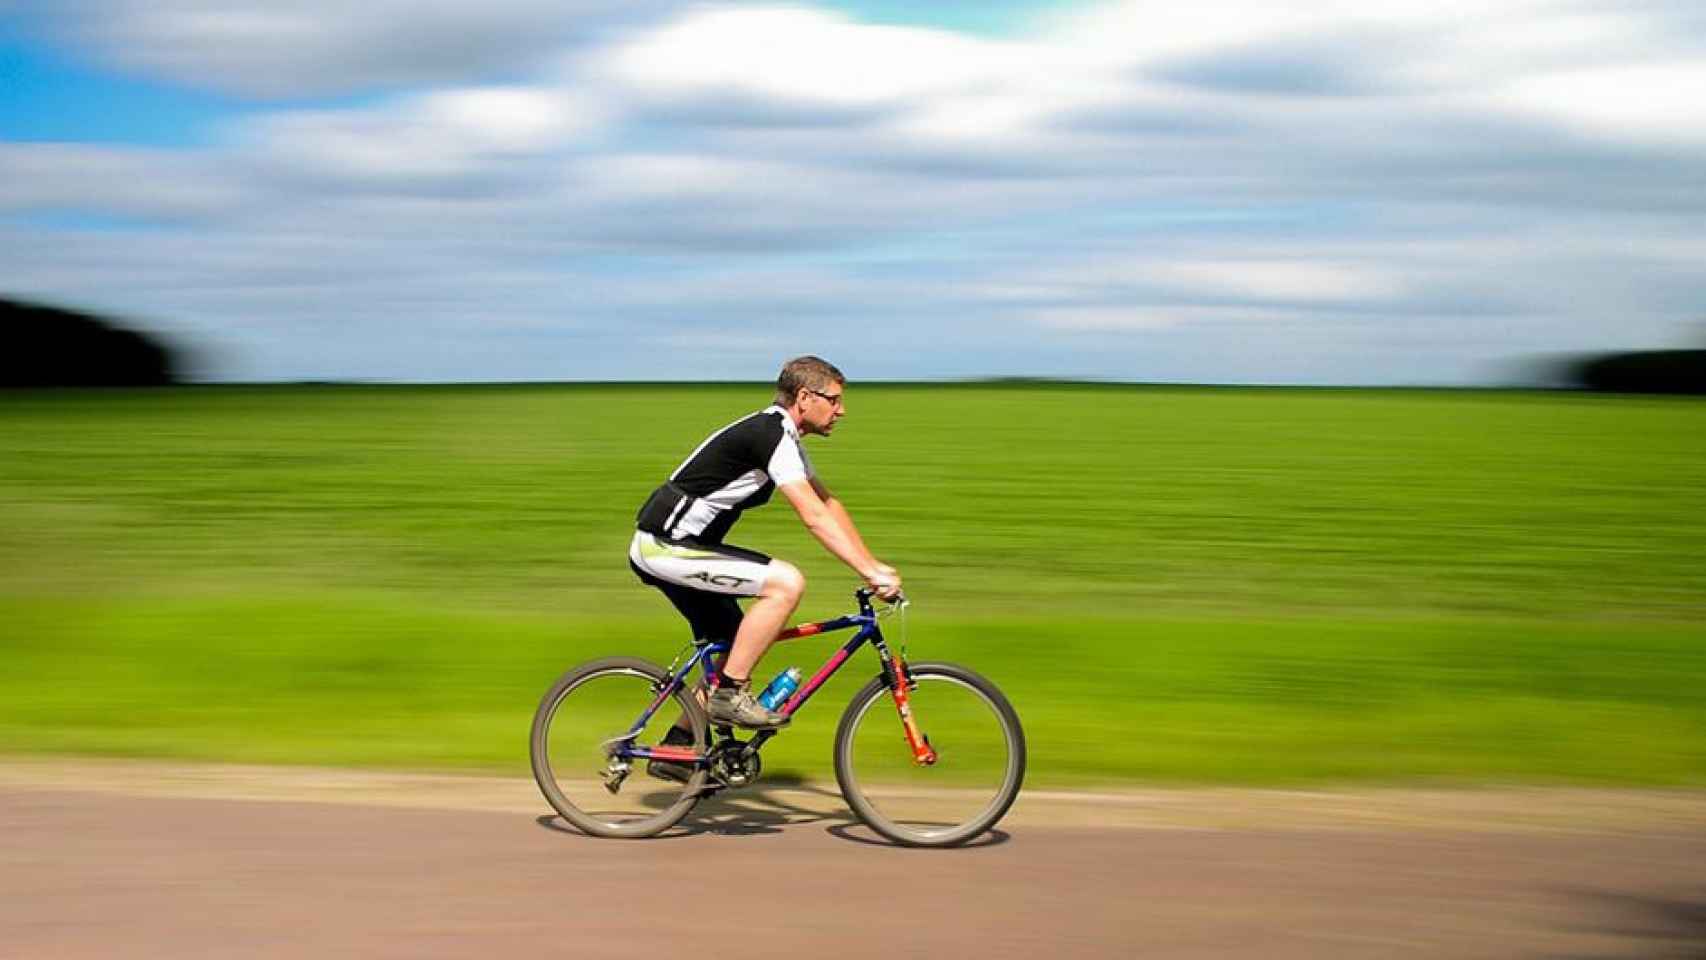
(106, 874)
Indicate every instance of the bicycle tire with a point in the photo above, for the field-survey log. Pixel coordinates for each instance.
(591, 821)
(857, 792)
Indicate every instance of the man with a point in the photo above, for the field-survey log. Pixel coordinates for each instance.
(678, 546)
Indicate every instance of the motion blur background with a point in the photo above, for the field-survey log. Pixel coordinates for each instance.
(529, 253)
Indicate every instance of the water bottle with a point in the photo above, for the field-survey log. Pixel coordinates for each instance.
(780, 689)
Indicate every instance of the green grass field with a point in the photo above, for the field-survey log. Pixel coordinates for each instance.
(1173, 585)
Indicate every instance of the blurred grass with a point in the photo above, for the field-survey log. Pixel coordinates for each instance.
(1182, 585)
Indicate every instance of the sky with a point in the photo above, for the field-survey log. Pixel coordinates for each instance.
(1384, 192)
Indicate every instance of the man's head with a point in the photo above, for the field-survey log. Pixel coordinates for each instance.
(810, 388)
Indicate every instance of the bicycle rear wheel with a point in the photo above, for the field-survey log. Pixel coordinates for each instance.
(980, 764)
(583, 719)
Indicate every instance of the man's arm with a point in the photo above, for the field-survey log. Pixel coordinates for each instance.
(846, 520)
(828, 521)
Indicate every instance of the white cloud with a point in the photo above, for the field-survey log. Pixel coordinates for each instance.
(1277, 280)
(800, 55)
(443, 134)
(1119, 318)
(506, 119)
(1649, 102)
(124, 182)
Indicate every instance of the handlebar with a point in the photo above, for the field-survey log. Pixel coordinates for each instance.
(866, 594)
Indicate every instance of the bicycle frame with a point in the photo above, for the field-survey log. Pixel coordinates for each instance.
(894, 674)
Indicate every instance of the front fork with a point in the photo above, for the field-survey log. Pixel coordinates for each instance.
(901, 685)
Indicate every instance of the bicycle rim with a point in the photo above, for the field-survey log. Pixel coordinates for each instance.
(582, 721)
(980, 759)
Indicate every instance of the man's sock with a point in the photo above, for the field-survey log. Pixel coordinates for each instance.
(724, 680)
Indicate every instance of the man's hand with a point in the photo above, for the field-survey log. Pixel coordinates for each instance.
(885, 580)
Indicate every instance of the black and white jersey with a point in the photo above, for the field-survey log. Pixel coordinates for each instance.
(735, 469)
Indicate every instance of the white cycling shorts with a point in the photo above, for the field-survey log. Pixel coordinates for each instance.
(713, 568)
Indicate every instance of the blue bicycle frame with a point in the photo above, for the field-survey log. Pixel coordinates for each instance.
(894, 674)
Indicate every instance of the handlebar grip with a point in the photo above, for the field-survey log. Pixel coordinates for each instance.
(866, 594)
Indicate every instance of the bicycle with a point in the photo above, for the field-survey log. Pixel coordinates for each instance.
(910, 787)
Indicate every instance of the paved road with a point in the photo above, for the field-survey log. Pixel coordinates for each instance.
(105, 875)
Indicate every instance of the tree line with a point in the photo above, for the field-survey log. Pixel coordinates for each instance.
(45, 346)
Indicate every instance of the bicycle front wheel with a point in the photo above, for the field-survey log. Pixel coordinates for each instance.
(980, 758)
(581, 724)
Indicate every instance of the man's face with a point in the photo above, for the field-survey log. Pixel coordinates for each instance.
(819, 409)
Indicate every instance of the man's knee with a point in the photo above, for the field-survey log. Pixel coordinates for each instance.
(785, 580)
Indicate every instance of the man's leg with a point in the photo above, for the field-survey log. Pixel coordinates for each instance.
(717, 616)
(711, 616)
(765, 619)
(733, 702)
(703, 582)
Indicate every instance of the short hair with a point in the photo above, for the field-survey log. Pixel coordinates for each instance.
(811, 373)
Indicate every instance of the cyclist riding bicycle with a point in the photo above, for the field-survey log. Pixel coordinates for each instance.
(678, 544)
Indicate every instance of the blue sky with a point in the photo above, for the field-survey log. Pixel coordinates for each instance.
(1381, 192)
(50, 97)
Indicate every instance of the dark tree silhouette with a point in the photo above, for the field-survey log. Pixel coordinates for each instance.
(42, 346)
(1652, 371)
